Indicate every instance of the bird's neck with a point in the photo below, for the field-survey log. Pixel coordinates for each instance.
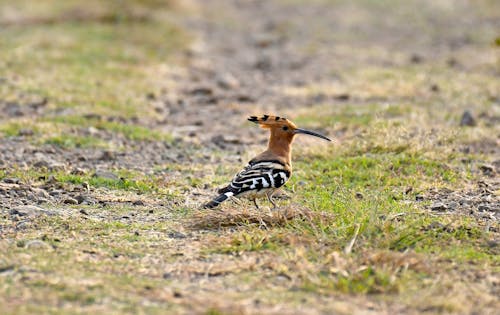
(281, 146)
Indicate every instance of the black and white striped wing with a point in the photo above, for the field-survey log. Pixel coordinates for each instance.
(259, 175)
(255, 177)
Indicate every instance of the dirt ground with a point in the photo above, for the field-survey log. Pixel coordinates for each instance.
(328, 64)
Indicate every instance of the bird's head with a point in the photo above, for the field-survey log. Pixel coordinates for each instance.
(282, 127)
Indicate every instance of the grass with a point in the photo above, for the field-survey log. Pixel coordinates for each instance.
(356, 234)
(98, 58)
(126, 180)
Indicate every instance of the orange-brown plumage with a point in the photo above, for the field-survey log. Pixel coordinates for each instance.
(280, 139)
(269, 170)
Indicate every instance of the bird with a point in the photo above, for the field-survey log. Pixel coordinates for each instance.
(269, 170)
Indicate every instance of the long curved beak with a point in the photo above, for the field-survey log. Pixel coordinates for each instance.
(312, 133)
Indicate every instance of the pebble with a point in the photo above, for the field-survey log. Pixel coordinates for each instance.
(467, 119)
(107, 156)
(487, 169)
(25, 132)
(29, 211)
(40, 193)
(106, 174)
(227, 81)
(12, 180)
(176, 235)
(77, 171)
(37, 244)
(438, 206)
(483, 208)
(70, 201)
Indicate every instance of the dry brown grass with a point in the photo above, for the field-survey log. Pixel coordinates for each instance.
(233, 217)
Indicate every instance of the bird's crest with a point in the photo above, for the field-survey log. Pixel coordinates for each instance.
(270, 121)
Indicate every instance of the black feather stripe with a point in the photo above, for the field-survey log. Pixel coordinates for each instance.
(216, 201)
(254, 162)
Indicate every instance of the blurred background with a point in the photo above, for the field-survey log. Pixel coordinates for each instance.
(160, 64)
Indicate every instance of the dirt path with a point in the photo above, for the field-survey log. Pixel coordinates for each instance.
(243, 58)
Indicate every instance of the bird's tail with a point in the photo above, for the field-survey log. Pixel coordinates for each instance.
(217, 200)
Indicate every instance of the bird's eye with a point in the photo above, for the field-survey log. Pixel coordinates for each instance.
(285, 128)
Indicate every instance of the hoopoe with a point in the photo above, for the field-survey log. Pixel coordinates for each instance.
(269, 170)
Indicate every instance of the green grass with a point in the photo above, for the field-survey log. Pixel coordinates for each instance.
(71, 141)
(126, 180)
(371, 183)
(105, 63)
(364, 239)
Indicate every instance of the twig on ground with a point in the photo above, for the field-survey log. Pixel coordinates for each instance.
(348, 248)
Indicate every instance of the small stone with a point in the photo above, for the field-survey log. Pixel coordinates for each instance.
(342, 97)
(452, 205)
(25, 132)
(56, 192)
(107, 156)
(37, 244)
(452, 62)
(467, 119)
(167, 275)
(244, 98)
(264, 40)
(80, 198)
(483, 208)
(415, 58)
(176, 235)
(435, 88)
(228, 81)
(435, 226)
(77, 171)
(82, 211)
(201, 91)
(92, 131)
(42, 201)
(438, 206)
(12, 180)
(487, 169)
(29, 211)
(263, 64)
(105, 174)
(70, 201)
(40, 193)
(23, 225)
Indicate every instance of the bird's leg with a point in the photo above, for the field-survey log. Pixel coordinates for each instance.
(270, 198)
(255, 203)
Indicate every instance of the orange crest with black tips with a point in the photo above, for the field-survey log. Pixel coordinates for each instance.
(270, 121)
